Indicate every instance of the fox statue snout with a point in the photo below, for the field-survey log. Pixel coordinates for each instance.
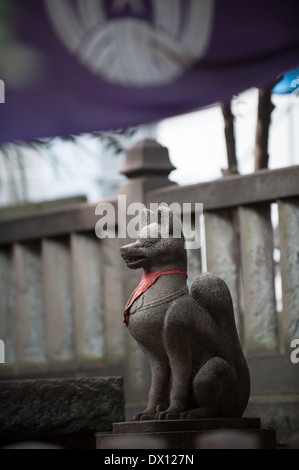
(134, 255)
(190, 338)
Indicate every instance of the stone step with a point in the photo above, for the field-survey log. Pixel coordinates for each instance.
(184, 434)
(186, 425)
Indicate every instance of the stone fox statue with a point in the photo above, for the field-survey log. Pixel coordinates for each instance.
(190, 339)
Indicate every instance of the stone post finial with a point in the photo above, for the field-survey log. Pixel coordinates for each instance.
(147, 167)
(147, 158)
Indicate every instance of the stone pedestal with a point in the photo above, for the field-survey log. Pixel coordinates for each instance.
(183, 434)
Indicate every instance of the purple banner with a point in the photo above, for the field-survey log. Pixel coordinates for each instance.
(75, 66)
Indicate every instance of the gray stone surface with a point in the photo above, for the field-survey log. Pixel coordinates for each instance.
(58, 305)
(266, 439)
(273, 374)
(197, 365)
(7, 307)
(228, 439)
(147, 168)
(131, 441)
(260, 318)
(51, 222)
(236, 190)
(87, 299)
(114, 298)
(29, 309)
(289, 249)
(222, 258)
(56, 407)
(277, 411)
(186, 425)
(189, 434)
(147, 157)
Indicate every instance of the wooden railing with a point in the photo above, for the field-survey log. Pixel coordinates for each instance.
(239, 247)
(62, 290)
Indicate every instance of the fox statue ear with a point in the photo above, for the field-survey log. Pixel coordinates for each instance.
(165, 215)
(147, 217)
(169, 224)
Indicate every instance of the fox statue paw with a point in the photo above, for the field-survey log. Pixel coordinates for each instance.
(167, 414)
(145, 416)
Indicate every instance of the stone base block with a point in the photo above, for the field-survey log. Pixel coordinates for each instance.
(187, 434)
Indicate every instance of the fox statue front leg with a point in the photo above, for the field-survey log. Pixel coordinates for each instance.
(159, 391)
(178, 346)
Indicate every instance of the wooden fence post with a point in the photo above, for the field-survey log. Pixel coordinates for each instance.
(289, 250)
(147, 168)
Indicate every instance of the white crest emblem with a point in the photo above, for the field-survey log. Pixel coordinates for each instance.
(132, 51)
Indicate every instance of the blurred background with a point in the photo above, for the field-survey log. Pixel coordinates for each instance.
(88, 166)
(206, 100)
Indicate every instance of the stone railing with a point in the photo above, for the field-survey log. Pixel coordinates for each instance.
(62, 290)
(240, 240)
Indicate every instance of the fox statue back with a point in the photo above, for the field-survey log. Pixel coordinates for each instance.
(190, 338)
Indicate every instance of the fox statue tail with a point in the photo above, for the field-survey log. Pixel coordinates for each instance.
(212, 293)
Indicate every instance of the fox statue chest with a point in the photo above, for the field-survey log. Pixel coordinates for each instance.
(147, 313)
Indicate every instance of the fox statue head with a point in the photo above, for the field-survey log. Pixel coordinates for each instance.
(160, 243)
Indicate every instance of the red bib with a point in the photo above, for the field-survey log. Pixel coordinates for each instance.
(146, 281)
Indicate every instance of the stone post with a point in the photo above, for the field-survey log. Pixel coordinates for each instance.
(147, 167)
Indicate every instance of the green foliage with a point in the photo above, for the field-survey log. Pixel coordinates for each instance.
(116, 141)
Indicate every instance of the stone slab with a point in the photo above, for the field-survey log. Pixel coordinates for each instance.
(289, 251)
(186, 425)
(222, 255)
(87, 290)
(58, 307)
(235, 190)
(265, 439)
(59, 407)
(273, 374)
(51, 222)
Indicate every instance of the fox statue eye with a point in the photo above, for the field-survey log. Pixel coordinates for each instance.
(148, 242)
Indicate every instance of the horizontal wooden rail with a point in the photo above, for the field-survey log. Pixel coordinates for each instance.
(52, 222)
(233, 191)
